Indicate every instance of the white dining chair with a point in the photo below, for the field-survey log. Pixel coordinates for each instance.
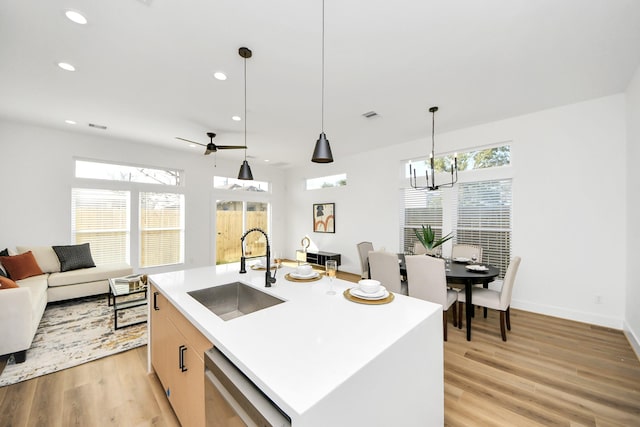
(363, 251)
(428, 281)
(499, 300)
(385, 268)
(461, 250)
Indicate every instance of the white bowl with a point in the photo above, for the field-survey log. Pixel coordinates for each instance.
(304, 270)
(369, 286)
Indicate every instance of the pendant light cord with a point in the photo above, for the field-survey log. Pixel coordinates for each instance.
(322, 113)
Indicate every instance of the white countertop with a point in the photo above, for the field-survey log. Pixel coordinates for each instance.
(299, 351)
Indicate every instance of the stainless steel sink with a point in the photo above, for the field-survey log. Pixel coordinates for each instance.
(233, 300)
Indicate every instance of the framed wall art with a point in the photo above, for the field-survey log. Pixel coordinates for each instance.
(324, 217)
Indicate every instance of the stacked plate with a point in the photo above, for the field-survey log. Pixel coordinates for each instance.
(461, 259)
(382, 293)
(311, 275)
(476, 267)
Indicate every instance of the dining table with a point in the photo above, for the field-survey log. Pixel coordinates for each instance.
(458, 273)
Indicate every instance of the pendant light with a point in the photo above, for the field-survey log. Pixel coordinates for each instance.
(245, 169)
(430, 169)
(322, 152)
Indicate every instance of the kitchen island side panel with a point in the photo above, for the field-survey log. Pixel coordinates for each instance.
(403, 386)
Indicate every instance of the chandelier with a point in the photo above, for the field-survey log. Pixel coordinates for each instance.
(430, 169)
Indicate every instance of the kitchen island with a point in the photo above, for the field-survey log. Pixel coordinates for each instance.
(324, 360)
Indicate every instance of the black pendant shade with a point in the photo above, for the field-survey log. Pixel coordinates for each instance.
(322, 152)
(245, 171)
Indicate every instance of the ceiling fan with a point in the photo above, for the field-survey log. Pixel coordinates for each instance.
(211, 147)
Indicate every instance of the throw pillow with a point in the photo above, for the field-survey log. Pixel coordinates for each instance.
(6, 283)
(21, 266)
(73, 257)
(4, 252)
(45, 257)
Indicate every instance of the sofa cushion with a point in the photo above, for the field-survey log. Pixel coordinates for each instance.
(6, 283)
(73, 257)
(94, 274)
(45, 257)
(21, 266)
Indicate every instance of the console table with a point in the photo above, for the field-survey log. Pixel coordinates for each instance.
(317, 258)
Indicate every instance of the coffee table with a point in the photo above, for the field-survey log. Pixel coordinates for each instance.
(120, 291)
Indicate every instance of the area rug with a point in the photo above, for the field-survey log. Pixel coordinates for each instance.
(75, 332)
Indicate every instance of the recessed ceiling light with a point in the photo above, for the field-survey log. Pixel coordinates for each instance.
(192, 145)
(220, 75)
(76, 17)
(66, 67)
(236, 118)
(70, 122)
(267, 160)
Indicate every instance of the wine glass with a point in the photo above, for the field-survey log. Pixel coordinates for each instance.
(474, 258)
(278, 258)
(331, 268)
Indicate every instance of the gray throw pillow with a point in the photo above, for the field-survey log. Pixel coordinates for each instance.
(73, 257)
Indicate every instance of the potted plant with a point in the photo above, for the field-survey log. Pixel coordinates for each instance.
(427, 237)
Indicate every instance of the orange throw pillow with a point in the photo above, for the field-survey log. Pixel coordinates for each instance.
(21, 266)
(6, 283)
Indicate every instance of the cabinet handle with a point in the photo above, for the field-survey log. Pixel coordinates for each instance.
(155, 301)
(181, 351)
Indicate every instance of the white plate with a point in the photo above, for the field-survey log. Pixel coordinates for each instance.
(381, 294)
(304, 276)
(477, 268)
(460, 259)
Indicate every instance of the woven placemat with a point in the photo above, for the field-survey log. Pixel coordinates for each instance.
(386, 300)
(290, 278)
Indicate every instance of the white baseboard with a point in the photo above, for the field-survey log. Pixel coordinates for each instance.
(633, 339)
(563, 313)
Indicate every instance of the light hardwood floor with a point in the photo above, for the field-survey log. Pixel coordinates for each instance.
(550, 372)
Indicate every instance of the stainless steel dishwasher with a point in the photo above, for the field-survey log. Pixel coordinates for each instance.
(231, 399)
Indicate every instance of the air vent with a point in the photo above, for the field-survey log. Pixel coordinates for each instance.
(93, 125)
(370, 114)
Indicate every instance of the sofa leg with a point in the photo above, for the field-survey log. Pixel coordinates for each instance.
(20, 356)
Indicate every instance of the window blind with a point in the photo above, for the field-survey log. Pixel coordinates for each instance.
(101, 218)
(484, 218)
(161, 229)
(419, 208)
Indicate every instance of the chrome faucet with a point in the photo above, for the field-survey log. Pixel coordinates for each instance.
(268, 279)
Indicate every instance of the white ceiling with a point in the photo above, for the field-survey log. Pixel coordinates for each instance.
(145, 68)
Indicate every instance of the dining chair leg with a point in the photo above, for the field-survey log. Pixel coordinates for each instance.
(502, 322)
(444, 324)
(455, 314)
(509, 318)
(485, 312)
(460, 305)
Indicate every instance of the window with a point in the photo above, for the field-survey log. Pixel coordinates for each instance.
(233, 218)
(327, 181)
(101, 218)
(420, 208)
(225, 183)
(161, 229)
(483, 217)
(469, 160)
(477, 212)
(114, 172)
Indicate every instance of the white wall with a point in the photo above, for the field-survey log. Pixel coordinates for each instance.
(569, 197)
(632, 314)
(38, 174)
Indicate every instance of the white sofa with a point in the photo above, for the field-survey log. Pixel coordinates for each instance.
(21, 308)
